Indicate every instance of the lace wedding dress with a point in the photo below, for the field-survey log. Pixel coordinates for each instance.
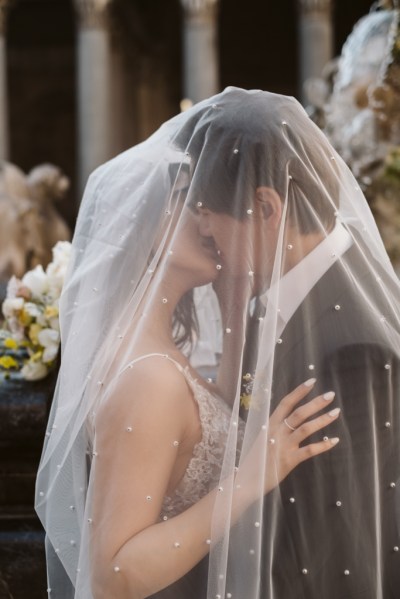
(204, 469)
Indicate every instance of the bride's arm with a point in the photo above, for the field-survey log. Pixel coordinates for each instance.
(133, 554)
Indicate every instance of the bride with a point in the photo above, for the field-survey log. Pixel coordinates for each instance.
(162, 445)
(147, 468)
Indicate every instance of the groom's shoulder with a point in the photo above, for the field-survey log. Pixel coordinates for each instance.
(355, 288)
(346, 309)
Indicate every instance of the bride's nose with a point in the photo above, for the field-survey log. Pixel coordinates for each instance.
(205, 222)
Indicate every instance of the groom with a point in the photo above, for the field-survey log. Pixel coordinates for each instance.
(333, 520)
(334, 539)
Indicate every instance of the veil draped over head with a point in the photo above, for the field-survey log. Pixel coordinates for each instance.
(242, 193)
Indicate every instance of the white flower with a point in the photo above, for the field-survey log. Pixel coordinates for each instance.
(12, 287)
(37, 281)
(15, 288)
(16, 328)
(42, 320)
(62, 252)
(32, 309)
(50, 340)
(57, 269)
(61, 256)
(55, 323)
(12, 305)
(55, 285)
(34, 371)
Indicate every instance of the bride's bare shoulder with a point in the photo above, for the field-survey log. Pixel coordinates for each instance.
(153, 387)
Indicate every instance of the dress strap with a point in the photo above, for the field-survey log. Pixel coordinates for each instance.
(145, 356)
(192, 382)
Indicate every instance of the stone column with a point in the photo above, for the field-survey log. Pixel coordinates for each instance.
(94, 83)
(4, 140)
(315, 37)
(200, 34)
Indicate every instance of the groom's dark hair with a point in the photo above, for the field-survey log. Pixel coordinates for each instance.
(235, 148)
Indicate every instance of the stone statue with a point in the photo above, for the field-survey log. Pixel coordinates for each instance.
(29, 223)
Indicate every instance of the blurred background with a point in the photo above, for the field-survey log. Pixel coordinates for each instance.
(107, 73)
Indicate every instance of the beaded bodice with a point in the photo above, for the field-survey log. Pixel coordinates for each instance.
(203, 471)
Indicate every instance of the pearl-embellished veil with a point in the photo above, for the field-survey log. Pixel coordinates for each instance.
(276, 223)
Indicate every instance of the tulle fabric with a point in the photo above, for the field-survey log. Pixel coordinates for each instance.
(331, 528)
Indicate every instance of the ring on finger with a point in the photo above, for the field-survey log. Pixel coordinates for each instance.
(289, 425)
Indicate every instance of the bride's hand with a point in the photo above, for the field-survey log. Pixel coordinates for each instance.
(281, 439)
(290, 425)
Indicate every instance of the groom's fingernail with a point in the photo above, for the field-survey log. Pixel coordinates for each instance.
(310, 382)
(328, 396)
(334, 412)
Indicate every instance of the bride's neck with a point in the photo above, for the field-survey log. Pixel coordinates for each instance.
(158, 310)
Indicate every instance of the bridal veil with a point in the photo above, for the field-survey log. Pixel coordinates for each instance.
(308, 291)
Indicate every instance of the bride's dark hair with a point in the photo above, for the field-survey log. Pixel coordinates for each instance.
(184, 322)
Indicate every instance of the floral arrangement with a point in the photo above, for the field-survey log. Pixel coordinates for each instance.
(30, 334)
(383, 194)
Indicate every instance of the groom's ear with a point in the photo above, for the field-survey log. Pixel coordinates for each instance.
(270, 204)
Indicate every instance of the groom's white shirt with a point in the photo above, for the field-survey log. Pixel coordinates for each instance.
(297, 283)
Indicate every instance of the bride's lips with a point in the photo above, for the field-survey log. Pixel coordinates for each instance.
(209, 245)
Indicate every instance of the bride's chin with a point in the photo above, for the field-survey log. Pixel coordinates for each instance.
(194, 274)
(205, 277)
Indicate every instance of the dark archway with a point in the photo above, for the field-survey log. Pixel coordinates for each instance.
(41, 79)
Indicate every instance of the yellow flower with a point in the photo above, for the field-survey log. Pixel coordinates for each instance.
(51, 311)
(33, 333)
(25, 318)
(245, 400)
(8, 362)
(10, 343)
(37, 356)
